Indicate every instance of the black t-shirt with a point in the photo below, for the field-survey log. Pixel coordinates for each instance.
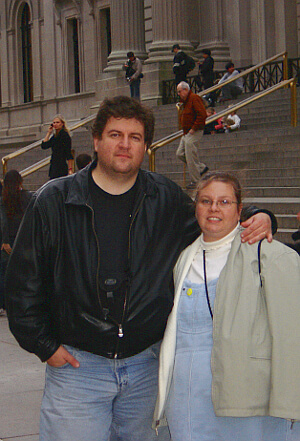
(112, 219)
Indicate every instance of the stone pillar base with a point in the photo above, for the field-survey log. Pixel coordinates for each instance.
(219, 51)
(110, 84)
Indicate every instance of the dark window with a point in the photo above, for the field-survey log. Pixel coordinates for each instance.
(26, 54)
(108, 31)
(105, 36)
(73, 55)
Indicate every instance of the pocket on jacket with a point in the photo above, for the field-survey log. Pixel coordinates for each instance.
(261, 342)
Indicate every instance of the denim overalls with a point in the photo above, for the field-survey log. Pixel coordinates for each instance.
(189, 408)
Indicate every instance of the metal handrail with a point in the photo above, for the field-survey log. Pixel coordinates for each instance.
(169, 87)
(291, 82)
(42, 163)
(249, 70)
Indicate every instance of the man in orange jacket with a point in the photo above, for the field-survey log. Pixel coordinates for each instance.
(192, 121)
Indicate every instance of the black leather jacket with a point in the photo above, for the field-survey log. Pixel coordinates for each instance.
(52, 277)
(52, 280)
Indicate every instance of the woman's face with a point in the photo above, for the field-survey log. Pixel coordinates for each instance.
(216, 217)
(57, 124)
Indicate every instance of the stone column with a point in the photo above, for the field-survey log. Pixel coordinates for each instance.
(5, 72)
(213, 32)
(169, 26)
(127, 32)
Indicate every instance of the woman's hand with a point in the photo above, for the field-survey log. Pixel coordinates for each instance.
(257, 227)
(48, 134)
(7, 248)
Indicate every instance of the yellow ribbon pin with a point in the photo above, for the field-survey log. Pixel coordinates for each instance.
(189, 292)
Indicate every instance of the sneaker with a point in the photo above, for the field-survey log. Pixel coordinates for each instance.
(205, 170)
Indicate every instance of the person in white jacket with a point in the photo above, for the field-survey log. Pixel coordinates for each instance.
(230, 357)
(232, 90)
(232, 122)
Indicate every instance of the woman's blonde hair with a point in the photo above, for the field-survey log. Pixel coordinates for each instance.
(63, 120)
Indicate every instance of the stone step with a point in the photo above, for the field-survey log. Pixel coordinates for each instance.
(272, 191)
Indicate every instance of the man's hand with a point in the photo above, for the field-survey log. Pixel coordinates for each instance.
(298, 216)
(61, 357)
(257, 227)
(6, 247)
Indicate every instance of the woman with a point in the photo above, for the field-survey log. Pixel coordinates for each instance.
(60, 143)
(13, 204)
(229, 362)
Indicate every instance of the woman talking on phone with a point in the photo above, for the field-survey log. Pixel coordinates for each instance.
(61, 163)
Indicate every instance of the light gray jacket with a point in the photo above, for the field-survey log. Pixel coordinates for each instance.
(256, 332)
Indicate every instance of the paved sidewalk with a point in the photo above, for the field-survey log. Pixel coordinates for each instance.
(21, 388)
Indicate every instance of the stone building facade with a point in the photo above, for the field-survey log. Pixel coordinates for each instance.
(65, 56)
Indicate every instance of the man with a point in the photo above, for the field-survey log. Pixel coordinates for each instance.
(134, 74)
(179, 64)
(235, 88)
(205, 78)
(83, 160)
(89, 283)
(206, 70)
(192, 121)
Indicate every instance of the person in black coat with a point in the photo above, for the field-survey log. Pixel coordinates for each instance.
(179, 64)
(61, 163)
(206, 76)
(13, 203)
(206, 69)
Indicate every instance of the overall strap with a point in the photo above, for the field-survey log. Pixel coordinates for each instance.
(259, 261)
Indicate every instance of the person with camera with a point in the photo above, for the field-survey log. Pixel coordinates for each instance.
(133, 74)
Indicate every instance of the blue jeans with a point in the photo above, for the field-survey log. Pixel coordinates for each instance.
(135, 89)
(102, 400)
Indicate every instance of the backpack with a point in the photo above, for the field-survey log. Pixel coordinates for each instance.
(189, 63)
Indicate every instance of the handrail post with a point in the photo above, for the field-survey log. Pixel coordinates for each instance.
(285, 66)
(151, 160)
(4, 162)
(293, 103)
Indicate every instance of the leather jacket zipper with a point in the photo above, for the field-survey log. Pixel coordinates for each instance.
(120, 334)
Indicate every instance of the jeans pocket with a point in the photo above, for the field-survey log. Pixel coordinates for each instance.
(155, 349)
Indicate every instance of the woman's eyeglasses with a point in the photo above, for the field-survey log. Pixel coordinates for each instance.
(223, 203)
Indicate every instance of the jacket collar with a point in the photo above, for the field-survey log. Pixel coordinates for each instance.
(79, 189)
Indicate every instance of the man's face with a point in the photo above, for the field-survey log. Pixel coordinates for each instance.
(230, 69)
(183, 93)
(122, 147)
(175, 50)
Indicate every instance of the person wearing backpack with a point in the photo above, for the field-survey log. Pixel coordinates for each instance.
(179, 64)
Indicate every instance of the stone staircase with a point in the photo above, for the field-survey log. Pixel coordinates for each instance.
(81, 143)
(265, 154)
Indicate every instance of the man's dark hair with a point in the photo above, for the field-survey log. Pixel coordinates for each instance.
(124, 107)
(229, 65)
(130, 54)
(175, 46)
(83, 160)
(206, 52)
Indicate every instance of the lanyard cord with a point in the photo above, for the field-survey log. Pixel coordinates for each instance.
(205, 283)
